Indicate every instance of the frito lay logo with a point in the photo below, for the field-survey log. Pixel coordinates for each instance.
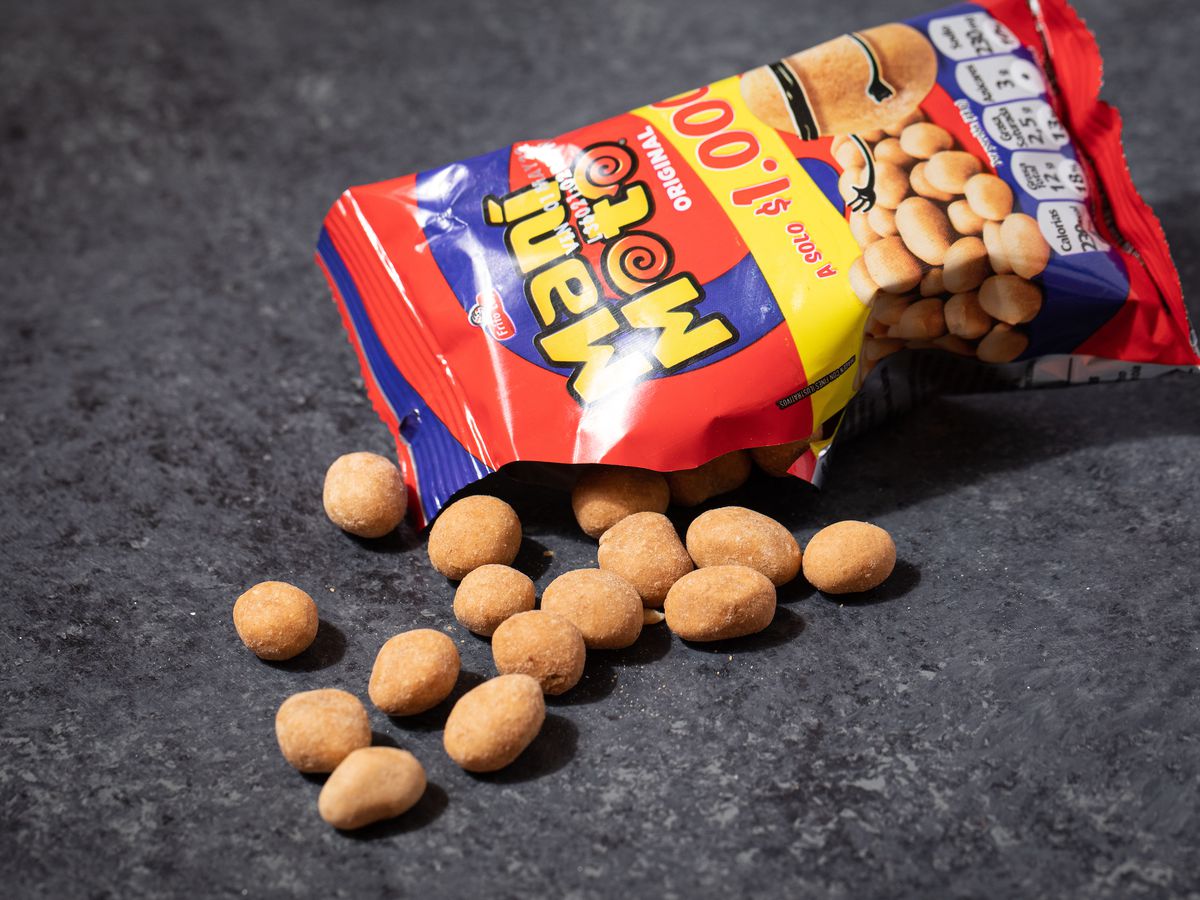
(582, 310)
(489, 313)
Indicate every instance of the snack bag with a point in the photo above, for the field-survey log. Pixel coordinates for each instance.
(938, 204)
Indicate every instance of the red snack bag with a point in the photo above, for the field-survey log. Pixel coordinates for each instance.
(943, 199)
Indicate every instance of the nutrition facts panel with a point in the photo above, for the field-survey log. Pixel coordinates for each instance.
(991, 69)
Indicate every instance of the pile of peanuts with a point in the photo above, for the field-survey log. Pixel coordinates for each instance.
(946, 262)
(718, 583)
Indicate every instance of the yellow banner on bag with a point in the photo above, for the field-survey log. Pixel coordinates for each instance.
(801, 243)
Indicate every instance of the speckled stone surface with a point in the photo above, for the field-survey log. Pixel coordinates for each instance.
(1015, 715)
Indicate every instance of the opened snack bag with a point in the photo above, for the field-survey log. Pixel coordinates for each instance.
(936, 204)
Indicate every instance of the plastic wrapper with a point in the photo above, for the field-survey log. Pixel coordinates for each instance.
(940, 204)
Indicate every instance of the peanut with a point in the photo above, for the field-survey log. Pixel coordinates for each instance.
(889, 308)
(605, 608)
(923, 139)
(1026, 249)
(848, 155)
(950, 170)
(965, 318)
(492, 724)
(1002, 344)
(861, 282)
(276, 620)
(1010, 298)
(882, 220)
(607, 494)
(473, 532)
(964, 219)
(921, 185)
(847, 180)
(734, 535)
(876, 348)
(932, 282)
(892, 266)
(490, 594)
(952, 343)
(849, 557)
(645, 550)
(719, 602)
(997, 258)
(861, 229)
(989, 196)
(925, 229)
(923, 320)
(891, 184)
(364, 494)
(889, 150)
(414, 671)
(966, 265)
(895, 129)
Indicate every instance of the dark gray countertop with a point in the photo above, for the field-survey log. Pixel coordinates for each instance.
(1015, 717)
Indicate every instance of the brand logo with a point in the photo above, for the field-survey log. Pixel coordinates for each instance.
(587, 312)
(489, 313)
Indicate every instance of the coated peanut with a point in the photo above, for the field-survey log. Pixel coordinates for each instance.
(316, 730)
(370, 785)
(364, 494)
(778, 458)
(276, 620)
(543, 645)
(414, 671)
(734, 535)
(849, 557)
(492, 724)
(490, 594)
(719, 602)
(607, 494)
(605, 608)
(645, 550)
(691, 487)
(473, 532)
